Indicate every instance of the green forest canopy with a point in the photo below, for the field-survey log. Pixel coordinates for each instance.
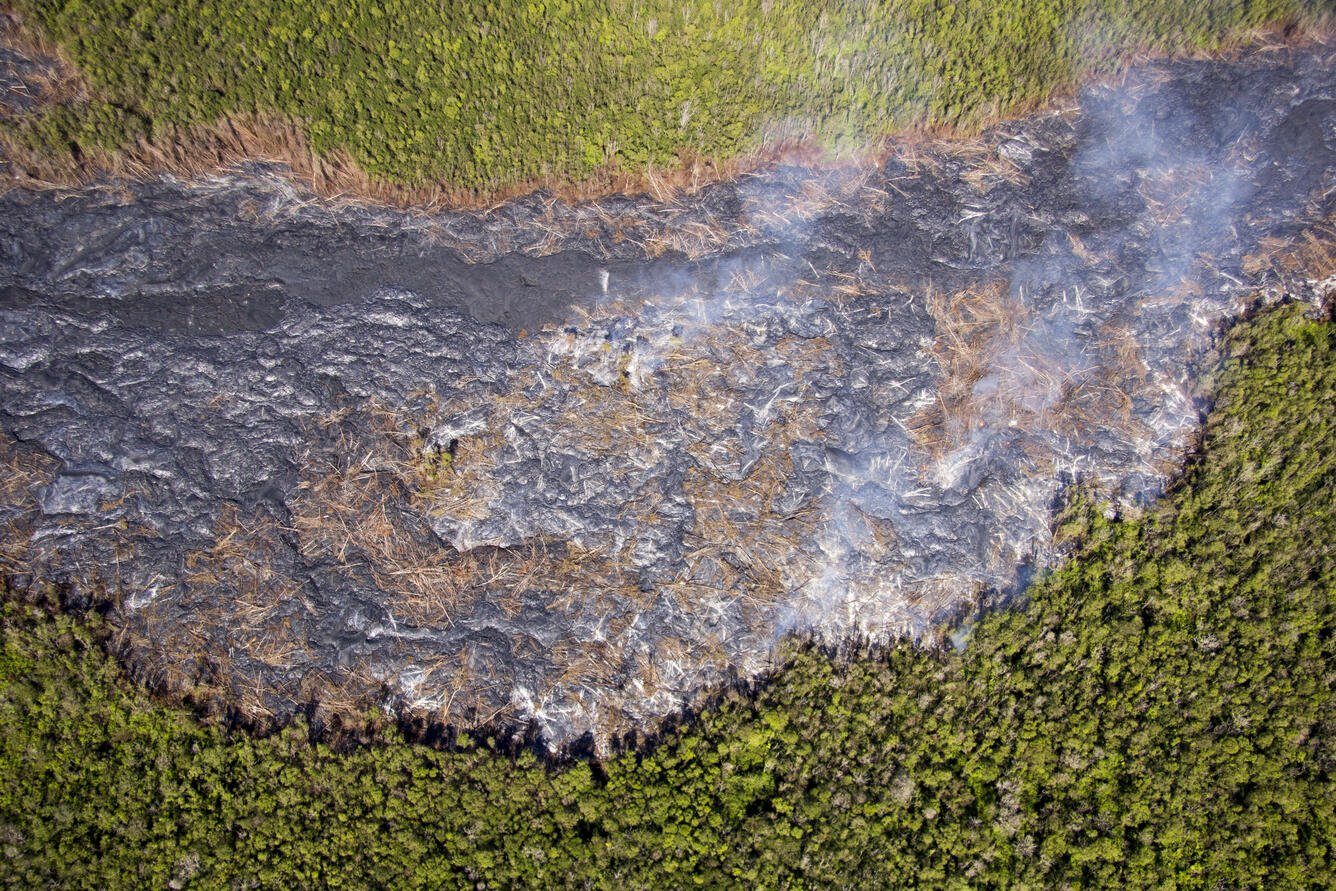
(483, 94)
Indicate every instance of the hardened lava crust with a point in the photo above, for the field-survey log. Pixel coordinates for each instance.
(562, 468)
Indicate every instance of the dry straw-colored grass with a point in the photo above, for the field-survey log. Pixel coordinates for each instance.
(24, 471)
(372, 520)
(995, 374)
(974, 327)
(1169, 194)
(230, 603)
(54, 83)
(350, 511)
(1312, 254)
(993, 168)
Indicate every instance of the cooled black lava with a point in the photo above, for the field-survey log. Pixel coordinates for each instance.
(568, 466)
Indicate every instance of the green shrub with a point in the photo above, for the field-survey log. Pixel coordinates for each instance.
(482, 95)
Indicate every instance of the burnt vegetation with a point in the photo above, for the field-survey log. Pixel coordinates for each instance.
(1160, 711)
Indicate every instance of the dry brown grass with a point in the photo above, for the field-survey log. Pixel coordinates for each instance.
(994, 375)
(992, 169)
(52, 84)
(843, 186)
(353, 514)
(618, 408)
(24, 471)
(1311, 254)
(594, 225)
(372, 520)
(740, 547)
(217, 634)
(695, 238)
(1169, 194)
(1089, 404)
(974, 327)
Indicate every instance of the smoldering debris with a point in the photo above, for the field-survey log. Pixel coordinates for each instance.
(563, 468)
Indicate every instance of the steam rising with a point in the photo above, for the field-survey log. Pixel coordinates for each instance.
(837, 403)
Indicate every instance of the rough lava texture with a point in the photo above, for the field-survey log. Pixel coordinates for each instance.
(561, 468)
